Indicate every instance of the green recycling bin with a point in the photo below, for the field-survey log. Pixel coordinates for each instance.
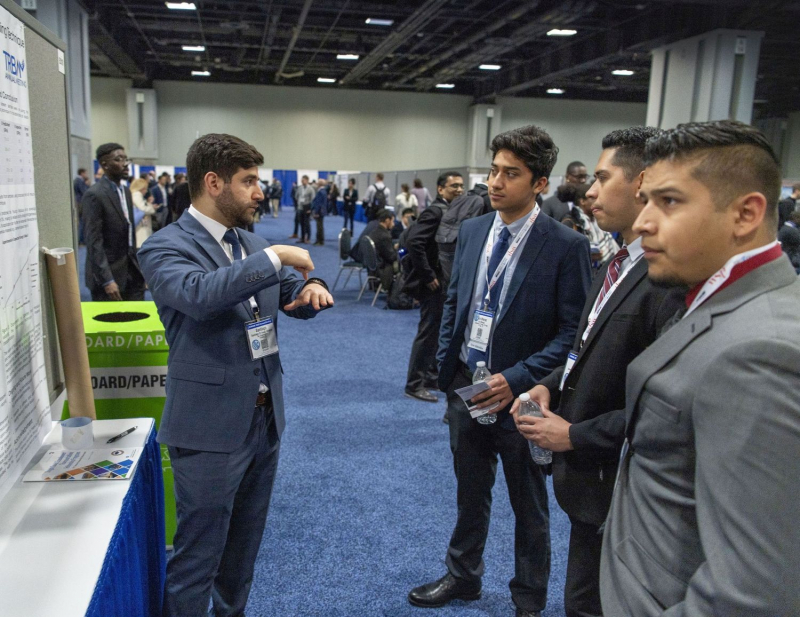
(128, 362)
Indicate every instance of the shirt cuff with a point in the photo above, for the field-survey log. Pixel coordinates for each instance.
(273, 257)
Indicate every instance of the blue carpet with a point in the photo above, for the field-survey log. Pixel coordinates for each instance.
(364, 501)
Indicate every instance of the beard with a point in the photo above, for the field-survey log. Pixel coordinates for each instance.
(237, 213)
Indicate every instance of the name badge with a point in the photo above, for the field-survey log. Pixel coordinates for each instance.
(261, 338)
(570, 363)
(481, 330)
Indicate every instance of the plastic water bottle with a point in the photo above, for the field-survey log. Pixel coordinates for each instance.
(482, 374)
(529, 408)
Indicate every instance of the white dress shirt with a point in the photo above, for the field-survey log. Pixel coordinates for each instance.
(481, 276)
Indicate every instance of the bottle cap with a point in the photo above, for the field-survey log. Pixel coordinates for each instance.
(524, 397)
(480, 364)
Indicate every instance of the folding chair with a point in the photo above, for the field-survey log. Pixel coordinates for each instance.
(369, 257)
(345, 263)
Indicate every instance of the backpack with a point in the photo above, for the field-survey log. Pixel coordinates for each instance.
(379, 198)
(398, 300)
(474, 203)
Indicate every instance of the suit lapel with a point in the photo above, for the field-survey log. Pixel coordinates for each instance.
(768, 277)
(113, 195)
(205, 241)
(637, 273)
(533, 245)
(473, 256)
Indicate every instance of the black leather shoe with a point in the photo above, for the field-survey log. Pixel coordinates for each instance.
(521, 612)
(445, 590)
(422, 395)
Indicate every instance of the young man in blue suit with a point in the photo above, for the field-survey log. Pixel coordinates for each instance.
(218, 290)
(525, 277)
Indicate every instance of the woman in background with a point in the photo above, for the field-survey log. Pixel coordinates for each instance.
(144, 228)
(350, 198)
(406, 199)
(422, 195)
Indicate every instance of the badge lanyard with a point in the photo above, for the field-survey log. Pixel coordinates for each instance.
(712, 285)
(509, 254)
(599, 307)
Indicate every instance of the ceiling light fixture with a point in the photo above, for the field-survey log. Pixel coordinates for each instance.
(560, 32)
(193, 48)
(622, 72)
(379, 22)
(326, 80)
(446, 86)
(555, 91)
(347, 56)
(201, 74)
(181, 6)
(490, 67)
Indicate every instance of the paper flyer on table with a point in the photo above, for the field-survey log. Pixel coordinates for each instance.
(110, 464)
(468, 392)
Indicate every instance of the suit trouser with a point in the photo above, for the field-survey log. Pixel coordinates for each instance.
(422, 362)
(222, 501)
(305, 224)
(582, 587)
(349, 215)
(131, 289)
(475, 449)
(298, 219)
(320, 229)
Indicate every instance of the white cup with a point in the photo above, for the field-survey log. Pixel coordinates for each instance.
(77, 433)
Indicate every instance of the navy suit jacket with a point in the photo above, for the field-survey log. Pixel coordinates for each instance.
(203, 302)
(540, 314)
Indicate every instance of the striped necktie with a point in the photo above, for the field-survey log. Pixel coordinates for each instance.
(612, 275)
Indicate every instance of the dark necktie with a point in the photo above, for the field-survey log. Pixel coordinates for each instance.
(612, 275)
(498, 252)
(236, 247)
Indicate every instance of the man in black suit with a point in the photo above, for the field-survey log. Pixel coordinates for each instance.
(387, 255)
(624, 313)
(424, 284)
(521, 279)
(112, 269)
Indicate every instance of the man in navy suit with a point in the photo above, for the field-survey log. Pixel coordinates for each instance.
(522, 278)
(218, 290)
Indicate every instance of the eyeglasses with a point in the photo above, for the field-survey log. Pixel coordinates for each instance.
(454, 186)
(120, 159)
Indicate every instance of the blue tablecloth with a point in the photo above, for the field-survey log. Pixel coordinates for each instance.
(131, 582)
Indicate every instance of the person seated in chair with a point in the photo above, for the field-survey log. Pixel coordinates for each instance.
(387, 255)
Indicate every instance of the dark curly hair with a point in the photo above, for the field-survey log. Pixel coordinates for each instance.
(532, 145)
(223, 154)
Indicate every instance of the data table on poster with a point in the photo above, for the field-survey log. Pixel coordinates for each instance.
(16, 166)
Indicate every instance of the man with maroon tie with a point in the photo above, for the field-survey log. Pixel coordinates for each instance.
(584, 401)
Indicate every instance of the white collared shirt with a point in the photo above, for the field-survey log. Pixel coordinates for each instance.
(482, 276)
(217, 231)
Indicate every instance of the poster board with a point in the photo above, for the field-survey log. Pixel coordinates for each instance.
(37, 209)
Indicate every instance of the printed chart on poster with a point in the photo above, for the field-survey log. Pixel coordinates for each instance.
(24, 405)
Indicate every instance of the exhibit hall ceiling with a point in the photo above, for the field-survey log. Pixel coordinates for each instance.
(577, 49)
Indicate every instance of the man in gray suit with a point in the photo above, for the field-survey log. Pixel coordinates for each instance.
(704, 514)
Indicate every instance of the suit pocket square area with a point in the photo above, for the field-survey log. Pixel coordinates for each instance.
(200, 373)
(665, 411)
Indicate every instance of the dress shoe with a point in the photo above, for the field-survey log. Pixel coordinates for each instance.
(422, 395)
(445, 590)
(319, 244)
(292, 236)
(521, 612)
